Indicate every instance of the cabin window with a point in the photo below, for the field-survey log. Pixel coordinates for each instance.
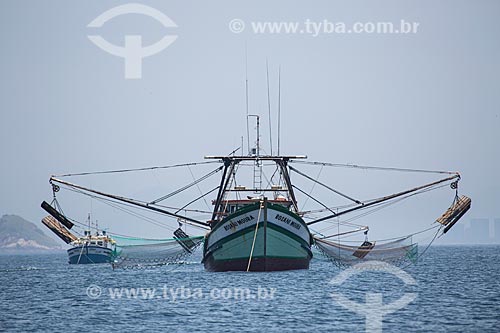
(99, 243)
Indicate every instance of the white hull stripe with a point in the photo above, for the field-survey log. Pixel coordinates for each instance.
(249, 219)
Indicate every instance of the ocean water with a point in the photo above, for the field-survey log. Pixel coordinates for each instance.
(457, 290)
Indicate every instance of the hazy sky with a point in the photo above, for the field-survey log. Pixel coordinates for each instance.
(427, 100)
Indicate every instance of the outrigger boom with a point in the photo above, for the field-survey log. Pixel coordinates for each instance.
(386, 198)
(129, 201)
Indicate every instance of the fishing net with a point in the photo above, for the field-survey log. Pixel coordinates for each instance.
(396, 252)
(143, 253)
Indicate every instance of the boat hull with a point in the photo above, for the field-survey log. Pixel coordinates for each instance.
(90, 255)
(268, 238)
(257, 264)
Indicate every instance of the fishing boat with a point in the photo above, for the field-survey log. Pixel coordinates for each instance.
(262, 228)
(257, 234)
(255, 222)
(90, 248)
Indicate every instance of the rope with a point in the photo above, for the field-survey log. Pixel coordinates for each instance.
(133, 170)
(312, 188)
(158, 240)
(78, 261)
(117, 205)
(322, 204)
(254, 238)
(202, 196)
(426, 248)
(366, 167)
(325, 186)
(213, 172)
(384, 205)
(385, 239)
(199, 189)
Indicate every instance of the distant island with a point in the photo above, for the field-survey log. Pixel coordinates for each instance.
(19, 235)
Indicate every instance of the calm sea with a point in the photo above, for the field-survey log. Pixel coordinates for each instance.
(457, 289)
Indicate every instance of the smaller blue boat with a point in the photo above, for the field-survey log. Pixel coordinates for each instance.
(89, 249)
(92, 249)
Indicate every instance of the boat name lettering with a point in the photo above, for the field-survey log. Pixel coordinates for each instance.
(234, 224)
(287, 221)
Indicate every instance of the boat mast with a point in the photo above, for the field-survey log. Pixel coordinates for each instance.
(232, 161)
(89, 222)
(257, 170)
(283, 165)
(229, 164)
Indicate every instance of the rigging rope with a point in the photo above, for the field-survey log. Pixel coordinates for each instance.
(352, 224)
(133, 170)
(308, 213)
(254, 238)
(115, 204)
(203, 195)
(199, 189)
(127, 200)
(213, 172)
(325, 186)
(366, 167)
(383, 205)
(312, 188)
(427, 247)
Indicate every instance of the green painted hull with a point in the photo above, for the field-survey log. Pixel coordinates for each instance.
(281, 241)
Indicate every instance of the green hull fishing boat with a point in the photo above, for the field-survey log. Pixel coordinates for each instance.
(262, 228)
(260, 235)
(254, 222)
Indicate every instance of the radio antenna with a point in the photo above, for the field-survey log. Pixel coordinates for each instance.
(279, 107)
(246, 97)
(269, 109)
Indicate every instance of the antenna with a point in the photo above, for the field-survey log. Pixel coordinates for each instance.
(246, 96)
(257, 169)
(257, 147)
(269, 109)
(279, 107)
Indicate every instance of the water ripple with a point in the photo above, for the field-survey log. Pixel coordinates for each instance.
(458, 291)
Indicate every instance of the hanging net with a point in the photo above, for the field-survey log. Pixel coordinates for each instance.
(396, 252)
(143, 253)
